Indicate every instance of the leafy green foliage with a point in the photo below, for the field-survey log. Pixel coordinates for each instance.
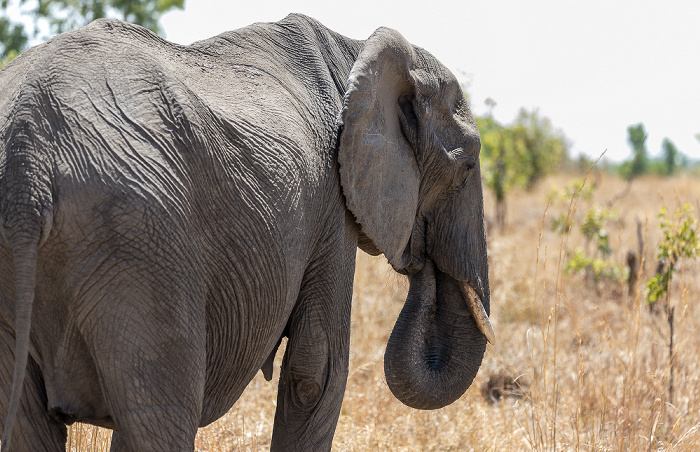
(538, 146)
(574, 189)
(680, 242)
(64, 15)
(499, 175)
(680, 234)
(13, 38)
(657, 286)
(636, 137)
(594, 227)
(581, 262)
(519, 154)
(11, 55)
(671, 161)
(670, 156)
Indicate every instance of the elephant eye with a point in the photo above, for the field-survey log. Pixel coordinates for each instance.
(463, 158)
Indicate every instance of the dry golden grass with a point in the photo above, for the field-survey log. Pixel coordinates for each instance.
(592, 360)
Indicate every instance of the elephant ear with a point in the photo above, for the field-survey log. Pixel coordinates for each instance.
(378, 169)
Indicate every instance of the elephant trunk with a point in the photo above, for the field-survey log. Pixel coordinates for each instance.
(439, 340)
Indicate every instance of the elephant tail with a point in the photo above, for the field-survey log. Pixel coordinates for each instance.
(26, 216)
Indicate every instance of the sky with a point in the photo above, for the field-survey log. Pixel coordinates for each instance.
(594, 67)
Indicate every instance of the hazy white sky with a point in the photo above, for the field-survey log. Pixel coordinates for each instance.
(593, 67)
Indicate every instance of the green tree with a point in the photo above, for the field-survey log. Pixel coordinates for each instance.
(540, 149)
(670, 155)
(496, 163)
(13, 38)
(64, 15)
(681, 241)
(637, 138)
(517, 155)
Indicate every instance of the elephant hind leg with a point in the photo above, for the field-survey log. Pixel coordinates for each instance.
(152, 363)
(35, 429)
(154, 404)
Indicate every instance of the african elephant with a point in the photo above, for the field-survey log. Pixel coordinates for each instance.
(169, 213)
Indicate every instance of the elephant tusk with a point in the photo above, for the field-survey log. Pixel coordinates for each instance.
(478, 312)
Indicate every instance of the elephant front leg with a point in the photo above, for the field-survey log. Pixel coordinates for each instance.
(315, 368)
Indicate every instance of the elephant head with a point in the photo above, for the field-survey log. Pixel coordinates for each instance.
(409, 167)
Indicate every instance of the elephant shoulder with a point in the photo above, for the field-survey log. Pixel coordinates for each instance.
(117, 34)
(78, 57)
(101, 41)
(107, 60)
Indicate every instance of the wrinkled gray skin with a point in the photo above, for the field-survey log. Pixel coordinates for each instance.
(169, 213)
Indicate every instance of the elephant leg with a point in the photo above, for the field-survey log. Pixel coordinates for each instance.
(34, 429)
(315, 366)
(152, 362)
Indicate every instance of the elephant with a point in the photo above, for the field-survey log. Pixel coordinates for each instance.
(170, 213)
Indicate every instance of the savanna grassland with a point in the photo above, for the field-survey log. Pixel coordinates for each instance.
(583, 363)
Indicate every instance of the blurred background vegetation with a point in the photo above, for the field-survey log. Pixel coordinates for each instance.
(522, 153)
(41, 19)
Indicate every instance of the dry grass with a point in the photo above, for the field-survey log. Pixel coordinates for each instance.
(592, 359)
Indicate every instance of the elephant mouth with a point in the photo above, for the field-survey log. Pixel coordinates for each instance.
(476, 308)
